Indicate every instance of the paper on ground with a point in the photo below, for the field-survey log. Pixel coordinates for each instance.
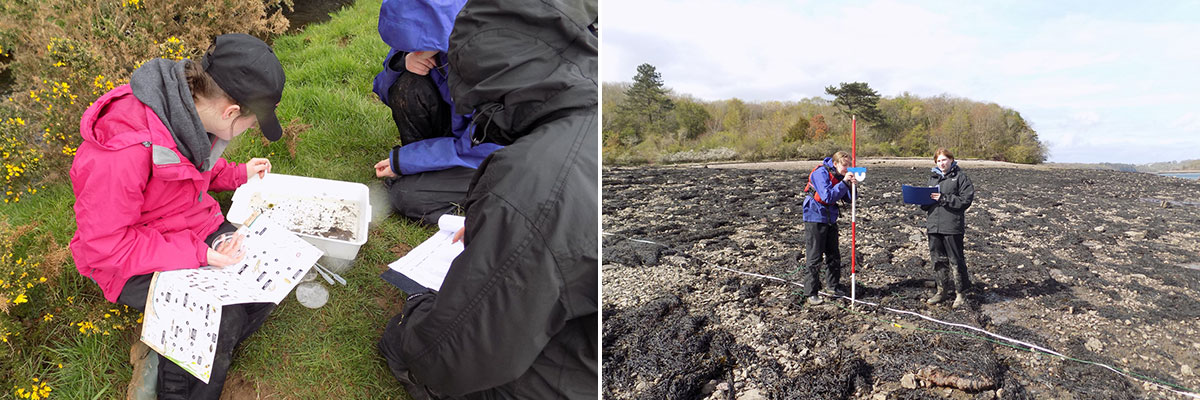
(428, 263)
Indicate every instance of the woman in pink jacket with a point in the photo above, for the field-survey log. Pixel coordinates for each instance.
(150, 154)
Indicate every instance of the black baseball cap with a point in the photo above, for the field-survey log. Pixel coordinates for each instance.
(246, 68)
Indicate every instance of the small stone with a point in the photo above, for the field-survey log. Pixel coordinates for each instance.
(1094, 345)
(999, 393)
(1099, 228)
(1186, 370)
(723, 386)
(909, 381)
(879, 396)
(752, 394)
(709, 387)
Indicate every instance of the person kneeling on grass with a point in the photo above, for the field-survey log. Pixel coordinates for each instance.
(151, 151)
(427, 175)
(829, 183)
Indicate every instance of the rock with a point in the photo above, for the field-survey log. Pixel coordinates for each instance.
(909, 381)
(1094, 345)
(1186, 370)
(879, 396)
(723, 386)
(752, 394)
(709, 387)
(1099, 228)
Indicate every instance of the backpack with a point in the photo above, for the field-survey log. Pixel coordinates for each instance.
(809, 186)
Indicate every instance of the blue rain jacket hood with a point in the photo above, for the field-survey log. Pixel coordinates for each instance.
(409, 26)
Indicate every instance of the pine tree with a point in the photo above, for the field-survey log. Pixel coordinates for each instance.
(857, 99)
(647, 108)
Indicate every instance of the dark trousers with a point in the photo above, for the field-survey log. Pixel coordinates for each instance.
(420, 113)
(821, 241)
(238, 321)
(417, 106)
(428, 195)
(944, 249)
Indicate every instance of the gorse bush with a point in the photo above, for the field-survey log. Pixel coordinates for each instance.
(63, 54)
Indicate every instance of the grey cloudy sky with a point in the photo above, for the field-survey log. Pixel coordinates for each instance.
(1100, 81)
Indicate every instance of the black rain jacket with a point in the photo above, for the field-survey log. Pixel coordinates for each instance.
(517, 315)
(947, 216)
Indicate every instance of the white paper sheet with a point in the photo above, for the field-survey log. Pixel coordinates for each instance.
(428, 263)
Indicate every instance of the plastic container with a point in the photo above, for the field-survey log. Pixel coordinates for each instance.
(227, 237)
(280, 186)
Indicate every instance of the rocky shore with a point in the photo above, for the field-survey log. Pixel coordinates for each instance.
(1098, 266)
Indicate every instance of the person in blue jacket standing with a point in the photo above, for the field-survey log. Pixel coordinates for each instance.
(829, 183)
(427, 175)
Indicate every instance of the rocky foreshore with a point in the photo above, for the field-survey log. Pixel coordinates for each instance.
(1098, 266)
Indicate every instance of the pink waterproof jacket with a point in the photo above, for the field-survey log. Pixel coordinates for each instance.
(140, 205)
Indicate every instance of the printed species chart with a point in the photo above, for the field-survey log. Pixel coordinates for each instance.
(183, 309)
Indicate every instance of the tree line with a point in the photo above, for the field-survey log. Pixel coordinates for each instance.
(644, 121)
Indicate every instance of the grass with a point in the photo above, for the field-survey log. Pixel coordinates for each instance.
(341, 130)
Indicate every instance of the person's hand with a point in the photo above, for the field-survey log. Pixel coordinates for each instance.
(420, 62)
(383, 169)
(227, 253)
(851, 179)
(260, 166)
(935, 195)
(458, 235)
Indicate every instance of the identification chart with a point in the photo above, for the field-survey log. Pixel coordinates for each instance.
(183, 309)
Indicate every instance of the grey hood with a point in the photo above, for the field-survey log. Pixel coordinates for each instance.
(498, 50)
(160, 84)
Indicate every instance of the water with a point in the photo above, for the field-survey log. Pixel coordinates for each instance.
(1184, 175)
(312, 11)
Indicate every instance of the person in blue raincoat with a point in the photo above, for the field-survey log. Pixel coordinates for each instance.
(829, 183)
(427, 175)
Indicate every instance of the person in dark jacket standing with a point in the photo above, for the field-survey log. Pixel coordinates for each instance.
(946, 226)
(829, 183)
(517, 315)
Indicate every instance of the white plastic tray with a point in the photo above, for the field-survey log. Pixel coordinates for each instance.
(301, 186)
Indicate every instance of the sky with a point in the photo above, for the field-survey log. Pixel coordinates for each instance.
(1100, 81)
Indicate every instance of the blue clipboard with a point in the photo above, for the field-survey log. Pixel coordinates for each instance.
(918, 194)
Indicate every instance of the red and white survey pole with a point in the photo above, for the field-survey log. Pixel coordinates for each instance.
(859, 174)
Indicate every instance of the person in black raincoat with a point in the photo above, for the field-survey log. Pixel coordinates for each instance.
(946, 226)
(517, 315)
